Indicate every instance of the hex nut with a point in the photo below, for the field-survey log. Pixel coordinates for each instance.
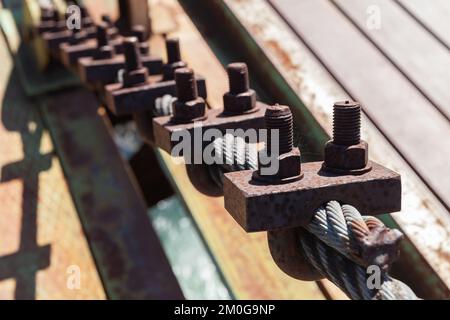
(185, 112)
(289, 169)
(239, 103)
(169, 69)
(347, 159)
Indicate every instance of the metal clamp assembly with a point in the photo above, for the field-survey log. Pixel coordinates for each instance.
(137, 94)
(241, 109)
(104, 65)
(346, 176)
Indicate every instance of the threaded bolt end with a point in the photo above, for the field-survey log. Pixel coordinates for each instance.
(138, 31)
(238, 77)
(347, 123)
(173, 50)
(102, 35)
(186, 86)
(132, 54)
(280, 118)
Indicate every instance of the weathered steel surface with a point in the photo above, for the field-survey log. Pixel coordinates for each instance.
(129, 256)
(260, 207)
(122, 100)
(105, 71)
(71, 53)
(42, 242)
(164, 128)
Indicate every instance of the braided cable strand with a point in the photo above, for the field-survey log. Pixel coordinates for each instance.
(360, 241)
(349, 276)
(365, 240)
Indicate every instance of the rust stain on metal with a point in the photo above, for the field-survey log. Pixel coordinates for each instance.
(261, 207)
(164, 127)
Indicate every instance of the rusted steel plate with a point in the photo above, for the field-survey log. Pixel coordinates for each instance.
(164, 128)
(71, 53)
(261, 207)
(376, 88)
(106, 71)
(42, 243)
(122, 100)
(129, 256)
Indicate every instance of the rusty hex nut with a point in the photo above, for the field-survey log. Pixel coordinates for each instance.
(289, 169)
(347, 159)
(190, 111)
(239, 103)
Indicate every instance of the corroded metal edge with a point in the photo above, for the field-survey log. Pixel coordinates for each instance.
(259, 207)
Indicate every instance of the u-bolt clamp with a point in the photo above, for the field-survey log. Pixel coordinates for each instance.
(282, 200)
(137, 93)
(57, 36)
(241, 111)
(103, 66)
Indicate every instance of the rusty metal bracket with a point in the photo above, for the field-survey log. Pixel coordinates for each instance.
(346, 176)
(137, 94)
(241, 110)
(71, 53)
(260, 207)
(103, 69)
(281, 203)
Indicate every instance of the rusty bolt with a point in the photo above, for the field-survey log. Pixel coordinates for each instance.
(240, 99)
(113, 32)
(188, 106)
(289, 159)
(173, 59)
(347, 153)
(135, 73)
(138, 31)
(104, 50)
(77, 37)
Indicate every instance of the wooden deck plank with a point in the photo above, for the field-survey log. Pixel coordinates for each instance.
(244, 259)
(300, 80)
(412, 49)
(432, 16)
(371, 79)
(42, 243)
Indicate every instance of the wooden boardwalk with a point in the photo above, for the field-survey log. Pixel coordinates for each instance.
(398, 70)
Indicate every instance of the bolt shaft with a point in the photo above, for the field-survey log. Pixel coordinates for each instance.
(132, 54)
(238, 77)
(102, 35)
(347, 123)
(173, 50)
(280, 118)
(138, 31)
(186, 86)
